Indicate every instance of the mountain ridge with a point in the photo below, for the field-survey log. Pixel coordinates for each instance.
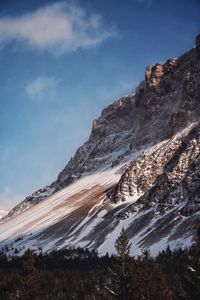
(149, 144)
(160, 79)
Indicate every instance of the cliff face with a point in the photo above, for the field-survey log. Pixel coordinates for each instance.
(110, 138)
(165, 102)
(172, 104)
(152, 137)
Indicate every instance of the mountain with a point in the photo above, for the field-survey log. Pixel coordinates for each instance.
(139, 170)
(3, 213)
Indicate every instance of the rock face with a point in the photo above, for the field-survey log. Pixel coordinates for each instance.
(110, 137)
(152, 137)
(166, 175)
(166, 102)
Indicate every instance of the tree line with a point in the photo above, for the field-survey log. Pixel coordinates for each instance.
(84, 275)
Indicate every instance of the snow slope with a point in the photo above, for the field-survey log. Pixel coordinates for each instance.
(83, 215)
(3, 213)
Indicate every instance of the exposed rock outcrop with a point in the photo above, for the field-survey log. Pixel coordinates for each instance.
(110, 137)
(167, 175)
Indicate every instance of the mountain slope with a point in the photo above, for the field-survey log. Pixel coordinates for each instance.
(82, 214)
(139, 169)
(3, 213)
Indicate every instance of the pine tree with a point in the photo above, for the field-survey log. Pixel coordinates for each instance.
(120, 287)
(192, 269)
(149, 279)
(29, 281)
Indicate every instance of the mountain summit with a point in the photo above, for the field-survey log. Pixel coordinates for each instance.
(139, 170)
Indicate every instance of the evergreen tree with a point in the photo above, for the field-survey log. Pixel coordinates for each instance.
(192, 269)
(29, 281)
(149, 279)
(120, 286)
(81, 274)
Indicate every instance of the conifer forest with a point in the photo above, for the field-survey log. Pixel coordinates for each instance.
(84, 275)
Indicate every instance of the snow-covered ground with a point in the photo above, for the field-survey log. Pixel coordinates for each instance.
(54, 208)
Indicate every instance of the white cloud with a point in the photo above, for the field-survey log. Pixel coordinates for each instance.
(8, 198)
(60, 27)
(41, 86)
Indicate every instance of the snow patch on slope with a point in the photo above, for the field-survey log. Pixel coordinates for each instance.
(3, 213)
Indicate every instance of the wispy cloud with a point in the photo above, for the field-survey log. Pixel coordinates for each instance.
(60, 27)
(149, 3)
(41, 86)
(8, 198)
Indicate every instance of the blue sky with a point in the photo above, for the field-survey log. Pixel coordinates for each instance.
(62, 62)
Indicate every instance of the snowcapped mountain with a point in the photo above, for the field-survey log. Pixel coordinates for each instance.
(139, 169)
(3, 213)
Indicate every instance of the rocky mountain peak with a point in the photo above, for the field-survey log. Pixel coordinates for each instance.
(138, 169)
(155, 74)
